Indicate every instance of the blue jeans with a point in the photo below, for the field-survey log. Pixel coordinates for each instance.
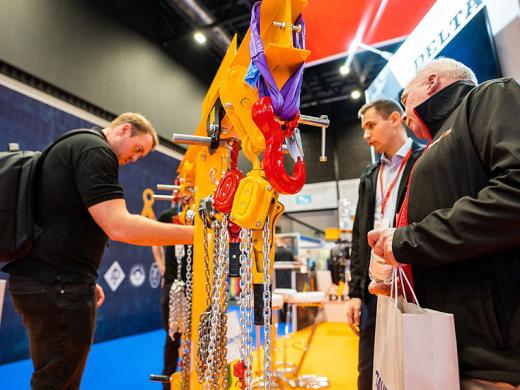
(60, 319)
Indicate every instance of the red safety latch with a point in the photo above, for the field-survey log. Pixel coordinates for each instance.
(273, 162)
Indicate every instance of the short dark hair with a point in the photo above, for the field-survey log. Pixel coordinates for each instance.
(384, 107)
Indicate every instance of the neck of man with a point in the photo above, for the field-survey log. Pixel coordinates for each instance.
(396, 145)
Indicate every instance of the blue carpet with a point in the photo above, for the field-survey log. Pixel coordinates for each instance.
(124, 363)
(120, 364)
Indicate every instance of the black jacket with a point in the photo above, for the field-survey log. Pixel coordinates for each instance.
(364, 222)
(464, 213)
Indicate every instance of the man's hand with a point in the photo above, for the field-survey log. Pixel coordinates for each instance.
(381, 242)
(379, 289)
(100, 295)
(353, 314)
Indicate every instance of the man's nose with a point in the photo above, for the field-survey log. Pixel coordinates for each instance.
(404, 119)
(366, 135)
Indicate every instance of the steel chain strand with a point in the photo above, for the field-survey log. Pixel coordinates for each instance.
(221, 345)
(243, 290)
(249, 311)
(204, 323)
(177, 299)
(211, 316)
(225, 295)
(266, 250)
(186, 345)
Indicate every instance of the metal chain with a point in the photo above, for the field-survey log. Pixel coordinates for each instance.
(213, 314)
(266, 251)
(206, 264)
(225, 291)
(205, 318)
(246, 305)
(186, 339)
(177, 299)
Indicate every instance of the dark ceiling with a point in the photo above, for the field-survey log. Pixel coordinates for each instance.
(171, 23)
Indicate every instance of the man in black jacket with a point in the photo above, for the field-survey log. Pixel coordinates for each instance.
(381, 192)
(463, 237)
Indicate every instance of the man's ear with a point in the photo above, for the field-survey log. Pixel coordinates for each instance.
(432, 84)
(395, 118)
(125, 129)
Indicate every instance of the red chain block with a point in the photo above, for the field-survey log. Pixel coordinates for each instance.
(227, 186)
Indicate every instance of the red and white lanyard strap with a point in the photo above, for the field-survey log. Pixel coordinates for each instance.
(386, 197)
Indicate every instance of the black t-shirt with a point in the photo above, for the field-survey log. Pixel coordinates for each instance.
(170, 259)
(79, 172)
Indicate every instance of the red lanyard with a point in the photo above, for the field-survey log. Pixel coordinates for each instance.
(385, 197)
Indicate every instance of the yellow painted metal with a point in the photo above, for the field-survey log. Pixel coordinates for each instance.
(199, 171)
(252, 200)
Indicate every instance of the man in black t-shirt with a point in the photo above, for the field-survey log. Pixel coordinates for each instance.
(80, 205)
(166, 259)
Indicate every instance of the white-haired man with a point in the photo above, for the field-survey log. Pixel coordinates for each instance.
(463, 215)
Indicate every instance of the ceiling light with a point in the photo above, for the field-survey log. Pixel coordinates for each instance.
(344, 69)
(355, 94)
(199, 37)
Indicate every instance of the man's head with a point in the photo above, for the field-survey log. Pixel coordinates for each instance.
(430, 79)
(131, 137)
(382, 126)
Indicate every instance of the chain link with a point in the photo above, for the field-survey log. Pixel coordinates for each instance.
(186, 340)
(266, 251)
(177, 299)
(246, 305)
(205, 317)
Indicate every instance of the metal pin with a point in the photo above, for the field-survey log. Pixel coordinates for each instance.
(279, 24)
(168, 187)
(188, 139)
(323, 157)
(163, 197)
(282, 25)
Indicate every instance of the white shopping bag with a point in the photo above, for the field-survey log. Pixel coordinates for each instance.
(415, 348)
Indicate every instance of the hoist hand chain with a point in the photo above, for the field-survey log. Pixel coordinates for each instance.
(218, 317)
(246, 306)
(177, 299)
(186, 344)
(266, 252)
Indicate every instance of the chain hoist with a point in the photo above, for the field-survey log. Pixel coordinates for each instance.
(266, 252)
(186, 342)
(177, 299)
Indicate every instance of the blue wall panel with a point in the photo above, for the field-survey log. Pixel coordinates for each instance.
(133, 307)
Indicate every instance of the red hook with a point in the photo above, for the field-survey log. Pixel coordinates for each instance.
(227, 186)
(273, 161)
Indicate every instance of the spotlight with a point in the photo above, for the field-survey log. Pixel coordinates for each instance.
(344, 69)
(199, 37)
(355, 94)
